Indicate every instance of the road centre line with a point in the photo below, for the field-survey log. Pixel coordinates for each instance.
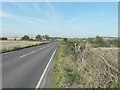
(27, 54)
(42, 48)
(30, 53)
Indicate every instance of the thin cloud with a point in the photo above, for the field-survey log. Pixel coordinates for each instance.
(81, 17)
(22, 6)
(75, 19)
(52, 15)
(23, 19)
(36, 6)
(4, 14)
(37, 20)
(1, 14)
(50, 7)
(101, 14)
(89, 17)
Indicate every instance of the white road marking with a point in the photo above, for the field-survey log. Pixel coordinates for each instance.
(23, 55)
(27, 54)
(31, 52)
(43, 74)
(42, 48)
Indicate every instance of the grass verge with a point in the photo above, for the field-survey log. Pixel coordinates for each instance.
(65, 73)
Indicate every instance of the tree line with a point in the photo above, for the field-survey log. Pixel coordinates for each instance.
(101, 42)
(28, 38)
(38, 37)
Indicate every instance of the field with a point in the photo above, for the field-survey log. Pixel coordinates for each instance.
(9, 45)
(85, 67)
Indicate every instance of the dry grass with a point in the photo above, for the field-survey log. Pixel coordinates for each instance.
(11, 44)
(99, 67)
(90, 68)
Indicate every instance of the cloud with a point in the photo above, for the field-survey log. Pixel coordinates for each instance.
(101, 14)
(22, 18)
(4, 14)
(1, 14)
(74, 19)
(89, 18)
(36, 6)
(22, 6)
(82, 17)
(31, 20)
(50, 7)
(36, 20)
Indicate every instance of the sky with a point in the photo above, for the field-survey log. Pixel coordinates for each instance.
(59, 19)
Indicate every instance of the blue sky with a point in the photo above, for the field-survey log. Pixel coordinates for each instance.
(62, 19)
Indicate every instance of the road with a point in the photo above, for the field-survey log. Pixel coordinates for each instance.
(24, 68)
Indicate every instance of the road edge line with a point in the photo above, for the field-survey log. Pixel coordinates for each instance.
(43, 74)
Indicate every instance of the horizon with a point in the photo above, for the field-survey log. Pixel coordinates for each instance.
(59, 19)
(33, 37)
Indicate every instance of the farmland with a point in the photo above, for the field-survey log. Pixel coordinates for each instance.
(9, 45)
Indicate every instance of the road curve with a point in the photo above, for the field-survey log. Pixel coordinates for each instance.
(23, 68)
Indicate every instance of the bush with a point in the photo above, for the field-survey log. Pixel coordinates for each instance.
(113, 42)
(31, 39)
(38, 37)
(3, 38)
(72, 75)
(90, 40)
(98, 42)
(65, 39)
(25, 37)
(46, 37)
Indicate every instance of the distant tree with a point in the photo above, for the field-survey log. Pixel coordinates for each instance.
(113, 42)
(65, 39)
(47, 37)
(31, 39)
(15, 38)
(3, 38)
(99, 42)
(25, 37)
(90, 40)
(39, 37)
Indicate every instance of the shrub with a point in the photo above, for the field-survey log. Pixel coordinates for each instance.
(113, 42)
(25, 37)
(3, 38)
(98, 42)
(46, 37)
(65, 39)
(38, 37)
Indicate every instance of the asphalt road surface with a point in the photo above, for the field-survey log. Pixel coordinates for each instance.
(23, 68)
